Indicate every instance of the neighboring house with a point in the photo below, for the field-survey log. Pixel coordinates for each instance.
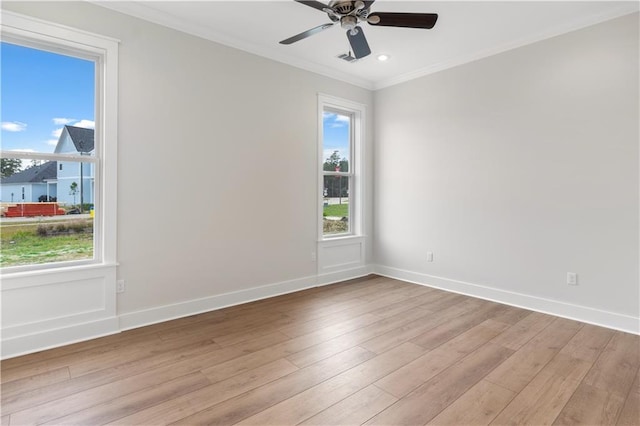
(54, 179)
(30, 184)
(74, 140)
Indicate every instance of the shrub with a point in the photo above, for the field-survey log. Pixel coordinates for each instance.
(334, 226)
(78, 226)
(42, 230)
(70, 227)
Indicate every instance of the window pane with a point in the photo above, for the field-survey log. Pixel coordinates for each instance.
(335, 210)
(47, 106)
(47, 211)
(47, 101)
(336, 144)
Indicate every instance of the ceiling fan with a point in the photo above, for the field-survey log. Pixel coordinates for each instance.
(349, 13)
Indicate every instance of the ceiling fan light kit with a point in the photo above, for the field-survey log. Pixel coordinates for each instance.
(349, 13)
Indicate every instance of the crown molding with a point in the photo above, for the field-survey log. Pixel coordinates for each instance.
(139, 10)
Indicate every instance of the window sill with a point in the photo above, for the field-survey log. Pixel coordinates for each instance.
(342, 238)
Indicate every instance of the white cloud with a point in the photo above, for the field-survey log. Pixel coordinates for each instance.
(85, 124)
(62, 121)
(13, 126)
(23, 150)
(336, 120)
(341, 121)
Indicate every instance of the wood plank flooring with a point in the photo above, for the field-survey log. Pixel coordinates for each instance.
(370, 351)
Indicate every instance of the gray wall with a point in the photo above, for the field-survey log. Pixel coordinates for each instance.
(517, 169)
(217, 160)
(513, 170)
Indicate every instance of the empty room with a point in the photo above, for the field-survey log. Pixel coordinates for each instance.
(323, 212)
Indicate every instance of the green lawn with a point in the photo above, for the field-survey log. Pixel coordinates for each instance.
(21, 245)
(339, 210)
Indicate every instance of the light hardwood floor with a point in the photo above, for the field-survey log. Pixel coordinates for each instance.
(368, 351)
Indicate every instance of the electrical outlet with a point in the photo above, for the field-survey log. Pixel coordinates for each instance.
(313, 256)
(429, 256)
(120, 286)
(572, 278)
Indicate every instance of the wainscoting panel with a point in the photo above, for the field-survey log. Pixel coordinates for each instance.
(46, 309)
(340, 255)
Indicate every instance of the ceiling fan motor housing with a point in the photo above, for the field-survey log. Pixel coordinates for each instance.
(342, 7)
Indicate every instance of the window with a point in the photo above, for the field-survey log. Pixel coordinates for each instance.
(341, 168)
(42, 91)
(58, 112)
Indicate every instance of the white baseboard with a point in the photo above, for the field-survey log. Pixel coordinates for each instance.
(349, 274)
(25, 342)
(196, 306)
(212, 303)
(584, 314)
(48, 339)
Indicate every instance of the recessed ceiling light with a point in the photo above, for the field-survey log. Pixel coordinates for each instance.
(383, 57)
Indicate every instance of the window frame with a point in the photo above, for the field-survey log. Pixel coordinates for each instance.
(356, 112)
(38, 34)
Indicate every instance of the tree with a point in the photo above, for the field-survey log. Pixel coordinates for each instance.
(332, 162)
(10, 166)
(336, 186)
(336, 164)
(73, 191)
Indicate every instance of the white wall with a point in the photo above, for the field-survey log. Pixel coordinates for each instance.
(235, 136)
(515, 170)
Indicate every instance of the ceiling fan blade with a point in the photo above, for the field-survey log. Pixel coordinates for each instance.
(367, 3)
(407, 20)
(358, 43)
(306, 34)
(314, 4)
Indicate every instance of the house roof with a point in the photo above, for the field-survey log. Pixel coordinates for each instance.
(82, 138)
(34, 174)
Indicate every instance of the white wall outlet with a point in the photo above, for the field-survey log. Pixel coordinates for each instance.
(120, 286)
(429, 256)
(572, 278)
(314, 257)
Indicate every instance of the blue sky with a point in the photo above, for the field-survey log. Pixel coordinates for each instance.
(41, 92)
(335, 131)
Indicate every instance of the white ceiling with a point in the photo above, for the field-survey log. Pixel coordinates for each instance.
(465, 31)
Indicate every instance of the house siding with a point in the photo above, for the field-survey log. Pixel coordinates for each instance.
(71, 173)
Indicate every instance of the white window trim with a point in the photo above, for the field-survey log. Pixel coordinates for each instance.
(356, 168)
(44, 35)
